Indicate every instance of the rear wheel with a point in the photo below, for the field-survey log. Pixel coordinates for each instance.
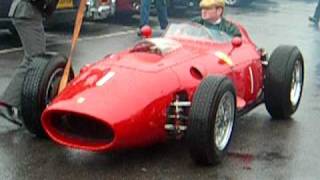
(284, 81)
(211, 120)
(40, 87)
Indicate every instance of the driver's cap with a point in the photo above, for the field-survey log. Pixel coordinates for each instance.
(207, 4)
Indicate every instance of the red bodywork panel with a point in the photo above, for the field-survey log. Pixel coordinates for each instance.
(122, 100)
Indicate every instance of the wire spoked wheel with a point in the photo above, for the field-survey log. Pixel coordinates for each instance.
(224, 121)
(211, 120)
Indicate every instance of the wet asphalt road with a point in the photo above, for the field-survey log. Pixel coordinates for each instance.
(261, 148)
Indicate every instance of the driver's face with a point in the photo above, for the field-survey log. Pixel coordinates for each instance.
(212, 14)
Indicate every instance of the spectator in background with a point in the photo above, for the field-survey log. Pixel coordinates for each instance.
(27, 17)
(161, 7)
(316, 16)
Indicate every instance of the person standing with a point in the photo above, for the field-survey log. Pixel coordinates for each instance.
(161, 6)
(315, 18)
(27, 17)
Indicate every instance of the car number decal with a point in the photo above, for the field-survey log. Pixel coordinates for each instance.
(105, 78)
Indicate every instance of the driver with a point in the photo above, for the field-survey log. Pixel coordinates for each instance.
(212, 17)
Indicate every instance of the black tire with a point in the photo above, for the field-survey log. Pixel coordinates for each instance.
(278, 81)
(39, 88)
(202, 120)
(238, 3)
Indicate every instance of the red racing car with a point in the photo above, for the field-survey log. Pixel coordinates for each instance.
(192, 83)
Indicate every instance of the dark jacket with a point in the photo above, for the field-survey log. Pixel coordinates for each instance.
(225, 26)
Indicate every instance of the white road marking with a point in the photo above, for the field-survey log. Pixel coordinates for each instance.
(4, 51)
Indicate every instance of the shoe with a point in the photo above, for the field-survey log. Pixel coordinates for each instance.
(10, 113)
(313, 20)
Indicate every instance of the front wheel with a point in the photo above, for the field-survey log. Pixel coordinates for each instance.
(284, 78)
(211, 120)
(40, 87)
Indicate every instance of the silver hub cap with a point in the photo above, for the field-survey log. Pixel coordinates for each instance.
(231, 2)
(224, 120)
(296, 83)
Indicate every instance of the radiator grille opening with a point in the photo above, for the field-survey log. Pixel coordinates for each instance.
(80, 128)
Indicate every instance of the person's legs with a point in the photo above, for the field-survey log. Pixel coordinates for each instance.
(317, 12)
(315, 18)
(32, 36)
(144, 12)
(162, 13)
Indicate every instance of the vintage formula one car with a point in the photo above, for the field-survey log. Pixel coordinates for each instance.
(192, 83)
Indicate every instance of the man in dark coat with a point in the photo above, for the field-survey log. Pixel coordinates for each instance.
(212, 17)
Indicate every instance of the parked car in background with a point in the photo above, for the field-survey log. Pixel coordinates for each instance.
(237, 2)
(100, 9)
(65, 13)
(5, 22)
(128, 6)
(194, 4)
(178, 6)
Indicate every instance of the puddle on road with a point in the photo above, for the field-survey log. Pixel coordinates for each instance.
(247, 158)
(272, 156)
